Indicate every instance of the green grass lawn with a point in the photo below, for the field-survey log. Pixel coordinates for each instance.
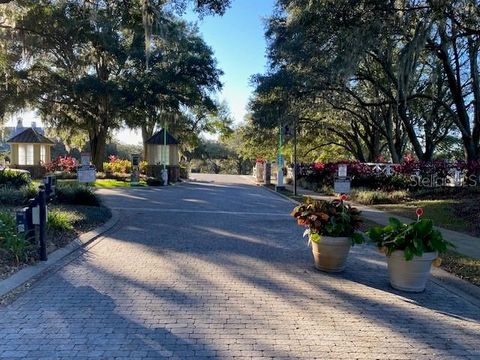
(112, 183)
(442, 212)
(107, 183)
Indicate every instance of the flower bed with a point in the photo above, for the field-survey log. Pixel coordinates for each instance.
(407, 175)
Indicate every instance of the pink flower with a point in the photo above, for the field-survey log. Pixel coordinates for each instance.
(344, 197)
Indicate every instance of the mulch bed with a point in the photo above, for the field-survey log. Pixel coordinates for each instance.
(92, 217)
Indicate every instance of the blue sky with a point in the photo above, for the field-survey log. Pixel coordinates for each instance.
(238, 42)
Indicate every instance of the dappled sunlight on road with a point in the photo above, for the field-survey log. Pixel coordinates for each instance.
(222, 276)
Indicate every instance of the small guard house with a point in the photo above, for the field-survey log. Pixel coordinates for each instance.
(162, 149)
(29, 151)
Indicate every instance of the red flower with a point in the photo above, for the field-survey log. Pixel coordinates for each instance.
(344, 197)
(419, 212)
(318, 166)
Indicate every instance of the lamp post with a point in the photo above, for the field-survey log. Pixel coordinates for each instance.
(295, 157)
(165, 154)
(280, 185)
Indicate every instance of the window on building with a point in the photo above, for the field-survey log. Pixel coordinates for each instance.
(43, 154)
(21, 154)
(25, 154)
(29, 157)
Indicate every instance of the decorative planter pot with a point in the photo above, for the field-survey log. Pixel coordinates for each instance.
(330, 253)
(410, 275)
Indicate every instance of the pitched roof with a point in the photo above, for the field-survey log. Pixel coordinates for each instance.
(29, 135)
(158, 139)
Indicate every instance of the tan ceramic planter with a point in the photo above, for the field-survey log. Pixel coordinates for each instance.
(330, 253)
(410, 275)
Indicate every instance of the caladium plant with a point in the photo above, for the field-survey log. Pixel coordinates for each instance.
(329, 218)
(413, 239)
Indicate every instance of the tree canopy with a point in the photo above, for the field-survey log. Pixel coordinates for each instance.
(377, 78)
(86, 65)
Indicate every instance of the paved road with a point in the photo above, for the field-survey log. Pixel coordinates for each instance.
(218, 269)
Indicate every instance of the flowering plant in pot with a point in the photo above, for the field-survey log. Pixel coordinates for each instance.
(411, 250)
(331, 230)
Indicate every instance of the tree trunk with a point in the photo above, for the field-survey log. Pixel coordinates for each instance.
(98, 141)
(462, 118)
(147, 133)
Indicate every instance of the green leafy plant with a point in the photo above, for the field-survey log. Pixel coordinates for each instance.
(61, 220)
(330, 218)
(15, 245)
(14, 178)
(15, 197)
(414, 239)
(116, 165)
(369, 197)
(75, 194)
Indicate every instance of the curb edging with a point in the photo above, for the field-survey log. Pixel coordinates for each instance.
(23, 276)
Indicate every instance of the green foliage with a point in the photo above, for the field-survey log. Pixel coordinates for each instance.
(75, 194)
(414, 239)
(61, 220)
(11, 196)
(118, 166)
(151, 181)
(373, 78)
(13, 178)
(92, 72)
(369, 197)
(330, 218)
(15, 245)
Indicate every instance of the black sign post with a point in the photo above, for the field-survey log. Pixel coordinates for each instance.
(42, 203)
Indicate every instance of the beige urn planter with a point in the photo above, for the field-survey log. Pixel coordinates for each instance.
(330, 253)
(412, 275)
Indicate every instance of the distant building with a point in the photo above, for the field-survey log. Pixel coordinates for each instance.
(29, 150)
(162, 150)
(8, 132)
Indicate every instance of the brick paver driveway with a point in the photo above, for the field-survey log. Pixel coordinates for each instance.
(204, 270)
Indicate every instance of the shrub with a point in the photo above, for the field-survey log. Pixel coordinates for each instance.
(75, 194)
(183, 171)
(151, 181)
(121, 176)
(369, 197)
(61, 220)
(63, 175)
(16, 197)
(66, 164)
(116, 165)
(15, 245)
(14, 178)
(143, 167)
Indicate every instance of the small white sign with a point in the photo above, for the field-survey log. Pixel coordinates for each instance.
(342, 186)
(86, 175)
(342, 171)
(36, 215)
